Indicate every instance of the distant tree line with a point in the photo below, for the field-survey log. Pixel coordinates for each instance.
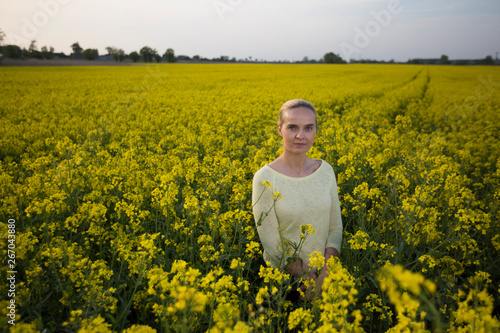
(148, 54)
(444, 60)
(332, 58)
(15, 52)
(328, 58)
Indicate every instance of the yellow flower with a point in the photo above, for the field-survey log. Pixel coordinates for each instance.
(236, 264)
(316, 260)
(263, 292)
(277, 195)
(359, 241)
(300, 318)
(306, 230)
(139, 329)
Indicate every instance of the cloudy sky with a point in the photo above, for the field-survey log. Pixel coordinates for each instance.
(262, 29)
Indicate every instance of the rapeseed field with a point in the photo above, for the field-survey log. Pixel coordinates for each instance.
(130, 188)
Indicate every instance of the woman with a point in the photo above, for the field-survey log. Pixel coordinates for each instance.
(293, 191)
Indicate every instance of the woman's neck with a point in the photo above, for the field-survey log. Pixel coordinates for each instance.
(295, 164)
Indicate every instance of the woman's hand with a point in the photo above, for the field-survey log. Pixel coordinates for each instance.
(329, 252)
(315, 281)
(310, 292)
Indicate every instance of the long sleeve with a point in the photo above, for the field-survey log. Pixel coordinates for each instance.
(336, 229)
(311, 200)
(264, 212)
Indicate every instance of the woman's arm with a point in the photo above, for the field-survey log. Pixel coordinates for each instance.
(300, 269)
(334, 239)
(329, 252)
(265, 219)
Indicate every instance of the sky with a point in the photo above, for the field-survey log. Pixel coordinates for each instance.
(269, 30)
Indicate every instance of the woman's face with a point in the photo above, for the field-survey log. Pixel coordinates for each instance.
(298, 130)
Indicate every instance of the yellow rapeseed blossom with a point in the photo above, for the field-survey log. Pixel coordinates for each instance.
(474, 313)
(269, 274)
(306, 230)
(300, 318)
(139, 329)
(359, 241)
(237, 264)
(263, 292)
(316, 261)
(338, 296)
(128, 190)
(404, 290)
(496, 242)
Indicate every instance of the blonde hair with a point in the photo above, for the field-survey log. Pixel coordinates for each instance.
(293, 104)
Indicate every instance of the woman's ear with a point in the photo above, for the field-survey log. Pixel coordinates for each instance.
(279, 130)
